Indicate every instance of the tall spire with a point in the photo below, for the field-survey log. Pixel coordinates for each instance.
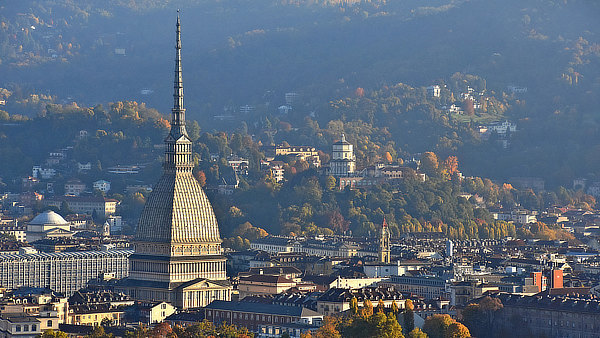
(178, 110)
(178, 144)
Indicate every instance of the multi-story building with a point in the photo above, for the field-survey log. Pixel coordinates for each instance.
(275, 167)
(434, 91)
(92, 308)
(74, 187)
(239, 165)
(64, 272)
(43, 173)
(337, 300)
(103, 207)
(19, 325)
(315, 247)
(548, 316)
(256, 285)
(305, 153)
(14, 230)
(428, 287)
(253, 315)
(102, 185)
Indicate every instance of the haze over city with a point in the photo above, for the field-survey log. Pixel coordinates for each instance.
(306, 168)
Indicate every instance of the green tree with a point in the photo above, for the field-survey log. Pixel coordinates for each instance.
(98, 332)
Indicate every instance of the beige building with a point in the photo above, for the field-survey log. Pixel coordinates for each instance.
(156, 312)
(262, 285)
(103, 207)
(74, 187)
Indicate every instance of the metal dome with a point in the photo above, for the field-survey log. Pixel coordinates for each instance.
(48, 217)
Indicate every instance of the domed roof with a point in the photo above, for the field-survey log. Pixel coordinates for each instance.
(178, 211)
(48, 217)
(342, 141)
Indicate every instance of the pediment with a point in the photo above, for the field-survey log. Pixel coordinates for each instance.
(200, 284)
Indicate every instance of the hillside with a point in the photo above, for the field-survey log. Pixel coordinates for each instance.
(239, 52)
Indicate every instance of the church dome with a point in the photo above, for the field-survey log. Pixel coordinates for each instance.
(48, 217)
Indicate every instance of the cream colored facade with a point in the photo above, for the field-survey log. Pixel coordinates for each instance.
(343, 161)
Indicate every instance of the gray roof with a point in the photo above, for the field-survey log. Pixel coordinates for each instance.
(63, 255)
(178, 211)
(48, 217)
(270, 309)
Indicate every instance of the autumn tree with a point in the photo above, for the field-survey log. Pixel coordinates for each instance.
(429, 164)
(395, 308)
(200, 177)
(469, 107)
(409, 316)
(388, 157)
(328, 329)
(367, 310)
(354, 307)
(450, 167)
(457, 330)
(417, 333)
(436, 326)
(162, 330)
(479, 318)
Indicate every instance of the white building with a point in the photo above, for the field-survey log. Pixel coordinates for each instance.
(102, 185)
(64, 272)
(343, 161)
(45, 174)
(434, 91)
(518, 216)
(290, 98)
(115, 223)
(500, 128)
(594, 189)
(14, 230)
(378, 270)
(47, 224)
(84, 166)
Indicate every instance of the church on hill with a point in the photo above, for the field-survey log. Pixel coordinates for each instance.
(178, 256)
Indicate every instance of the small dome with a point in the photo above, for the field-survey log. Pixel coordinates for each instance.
(48, 217)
